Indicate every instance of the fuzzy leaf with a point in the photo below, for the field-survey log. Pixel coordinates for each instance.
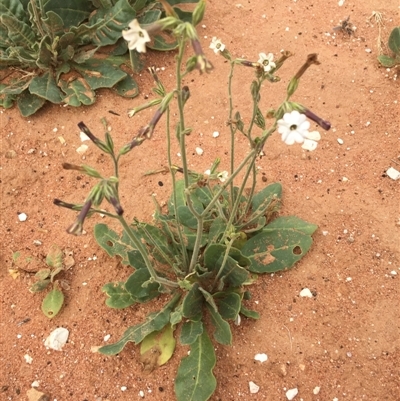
(100, 73)
(72, 12)
(53, 24)
(228, 304)
(195, 380)
(262, 200)
(40, 285)
(222, 333)
(77, 92)
(54, 257)
(190, 332)
(193, 303)
(154, 322)
(291, 223)
(387, 61)
(118, 296)
(46, 87)
(19, 32)
(29, 103)
(53, 303)
(109, 23)
(249, 313)
(136, 286)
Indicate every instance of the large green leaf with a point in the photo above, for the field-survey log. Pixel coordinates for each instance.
(193, 303)
(109, 23)
(195, 380)
(53, 24)
(46, 87)
(140, 288)
(16, 87)
(77, 92)
(112, 243)
(29, 104)
(388, 61)
(12, 7)
(100, 73)
(222, 333)
(228, 304)
(72, 12)
(127, 87)
(117, 295)
(275, 250)
(154, 322)
(261, 201)
(54, 257)
(190, 332)
(19, 32)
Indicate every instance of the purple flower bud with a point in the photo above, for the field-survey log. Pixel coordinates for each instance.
(77, 227)
(326, 125)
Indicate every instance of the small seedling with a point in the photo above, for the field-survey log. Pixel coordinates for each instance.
(54, 300)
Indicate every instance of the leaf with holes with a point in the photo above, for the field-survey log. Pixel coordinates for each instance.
(53, 303)
(276, 249)
(117, 295)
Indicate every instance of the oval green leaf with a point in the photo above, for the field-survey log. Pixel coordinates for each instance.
(53, 303)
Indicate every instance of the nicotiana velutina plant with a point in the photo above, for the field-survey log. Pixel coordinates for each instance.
(217, 233)
(49, 49)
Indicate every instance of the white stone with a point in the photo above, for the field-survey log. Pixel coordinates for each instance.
(22, 217)
(35, 384)
(199, 151)
(340, 141)
(393, 272)
(141, 393)
(254, 389)
(316, 390)
(124, 388)
(393, 173)
(107, 337)
(261, 357)
(28, 359)
(305, 292)
(290, 394)
(57, 339)
(215, 134)
(82, 149)
(83, 137)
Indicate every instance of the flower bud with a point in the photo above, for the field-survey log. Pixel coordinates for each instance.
(100, 144)
(293, 84)
(198, 12)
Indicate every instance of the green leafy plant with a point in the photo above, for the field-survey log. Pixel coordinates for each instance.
(50, 49)
(394, 46)
(211, 241)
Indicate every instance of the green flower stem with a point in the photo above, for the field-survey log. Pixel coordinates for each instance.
(255, 105)
(140, 247)
(37, 18)
(250, 196)
(230, 97)
(221, 269)
(173, 172)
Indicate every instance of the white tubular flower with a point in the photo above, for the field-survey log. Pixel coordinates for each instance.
(266, 62)
(311, 141)
(293, 127)
(217, 45)
(223, 176)
(136, 37)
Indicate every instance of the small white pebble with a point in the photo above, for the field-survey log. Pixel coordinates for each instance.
(199, 151)
(123, 388)
(393, 272)
(261, 357)
(238, 320)
(341, 2)
(141, 393)
(340, 141)
(37, 242)
(84, 283)
(349, 354)
(325, 233)
(204, 26)
(215, 134)
(290, 394)
(305, 292)
(345, 179)
(107, 337)
(22, 216)
(35, 384)
(393, 173)
(348, 279)
(82, 149)
(57, 339)
(55, 129)
(83, 137)
(28, 359)
(368, 123)
(254, 389)
(19, 335)
(368, 50)
(316, 390)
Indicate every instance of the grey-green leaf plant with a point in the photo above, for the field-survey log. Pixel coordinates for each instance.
(216, 234)
(49, 49)
(394, 46)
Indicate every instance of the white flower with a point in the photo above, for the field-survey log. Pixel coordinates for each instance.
(266, 61)
(293, 127)
(311, 141)
(217, 45)
(136, 37)
(223, 176)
